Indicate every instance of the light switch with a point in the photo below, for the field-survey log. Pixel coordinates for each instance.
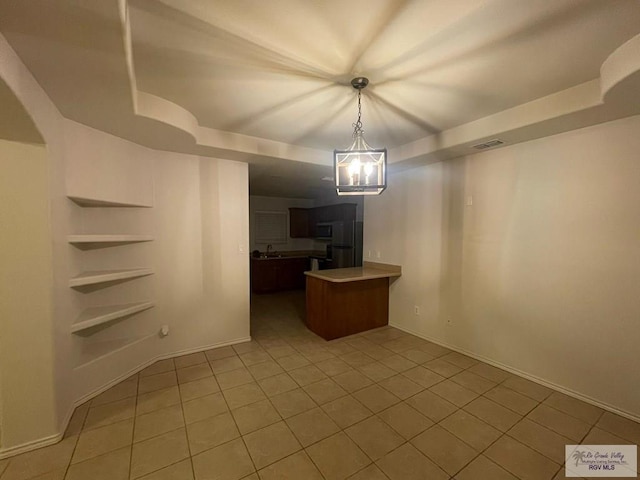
(469, 200)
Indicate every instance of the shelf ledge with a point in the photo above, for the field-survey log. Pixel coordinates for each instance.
(96, 203)
(84, 242)
(93, 352)
(103, 276)
(94, 316)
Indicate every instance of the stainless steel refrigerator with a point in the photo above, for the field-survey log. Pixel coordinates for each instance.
(346, 244)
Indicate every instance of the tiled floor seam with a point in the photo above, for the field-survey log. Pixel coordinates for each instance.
(66, 470)
(186, 430)
(564, 413)
(255, 469)
(84, 420)
(402, 445)
(133, 430)
(502, 466)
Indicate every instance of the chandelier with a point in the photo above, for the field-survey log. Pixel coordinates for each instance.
(360, 169)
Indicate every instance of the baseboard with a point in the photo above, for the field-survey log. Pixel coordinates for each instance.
(53, 439)
(528, 376)
(27, 447)
(147, 363)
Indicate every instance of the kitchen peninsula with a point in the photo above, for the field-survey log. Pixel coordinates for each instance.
(344, 301)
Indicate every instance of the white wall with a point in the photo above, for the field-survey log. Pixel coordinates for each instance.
(541, 274)
(48, 121)
(201, 283)
(278, 204)
(199, 221)
(26, 347)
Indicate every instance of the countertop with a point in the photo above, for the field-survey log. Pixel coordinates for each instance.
(291, 254)
(369, 271)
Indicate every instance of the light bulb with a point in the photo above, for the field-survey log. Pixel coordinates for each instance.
(354, 167)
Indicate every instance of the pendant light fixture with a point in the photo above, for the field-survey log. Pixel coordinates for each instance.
(360, 169)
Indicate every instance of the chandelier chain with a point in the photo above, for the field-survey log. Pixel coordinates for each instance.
(357, 127)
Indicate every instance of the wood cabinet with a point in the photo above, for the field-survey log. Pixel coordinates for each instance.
(324, 214)
(302, 221)
(270, 275)
(336, 310)
(263, 276)
(345, 212)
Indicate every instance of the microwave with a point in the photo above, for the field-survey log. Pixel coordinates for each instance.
(324, 230)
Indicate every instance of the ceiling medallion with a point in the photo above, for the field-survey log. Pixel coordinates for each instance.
(360, 169)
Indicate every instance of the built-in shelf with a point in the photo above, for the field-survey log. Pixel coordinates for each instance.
(101, 241)
(102, 276)
(94, 202)
(95, 351)
(94, 316)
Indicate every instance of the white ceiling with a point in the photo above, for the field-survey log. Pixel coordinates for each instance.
(268, 81)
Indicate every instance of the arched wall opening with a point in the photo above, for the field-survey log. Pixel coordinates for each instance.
(27, 397)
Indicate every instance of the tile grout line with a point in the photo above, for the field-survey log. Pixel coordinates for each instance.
(84, 420)
(246, 447)
(184, 419)
(133, 429)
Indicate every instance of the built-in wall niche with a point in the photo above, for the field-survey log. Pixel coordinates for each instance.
(111, 246)
(100, 342)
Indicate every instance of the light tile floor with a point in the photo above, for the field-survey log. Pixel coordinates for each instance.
(288, 405)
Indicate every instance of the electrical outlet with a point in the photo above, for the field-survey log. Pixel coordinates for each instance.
(368, 253)
(377, 253)
(416, 309)
(469, 200)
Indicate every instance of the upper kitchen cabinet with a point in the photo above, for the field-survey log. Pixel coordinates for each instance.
(345, 212)
(324, 214)
(302, 221)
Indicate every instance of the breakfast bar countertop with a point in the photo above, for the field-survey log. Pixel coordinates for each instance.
(368, 271)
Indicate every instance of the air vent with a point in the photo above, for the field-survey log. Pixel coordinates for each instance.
(489, 144)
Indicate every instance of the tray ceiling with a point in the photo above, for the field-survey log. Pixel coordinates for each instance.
(268, 81)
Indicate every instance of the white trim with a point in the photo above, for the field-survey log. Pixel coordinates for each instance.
(528, 376)
(33, 445)
(153, 360)
(52, 439)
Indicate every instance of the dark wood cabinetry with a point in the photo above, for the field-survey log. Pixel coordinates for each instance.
(345, 212)
(270, 275)
(325, 214)
(336, 310)
(302, 221)
(263, 276)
